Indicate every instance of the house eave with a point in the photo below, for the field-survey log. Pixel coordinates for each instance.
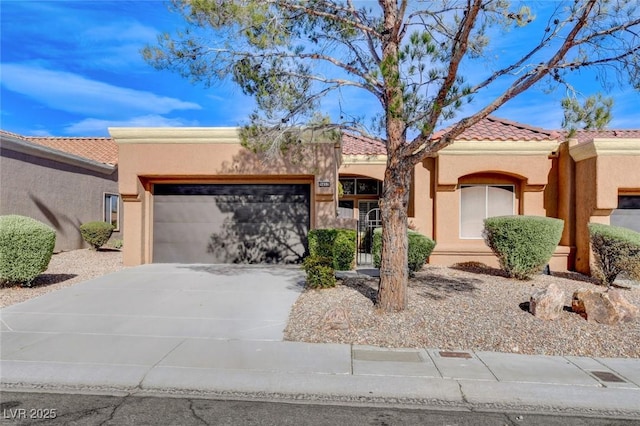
(24, 147)
(500, 148)
(605, 147)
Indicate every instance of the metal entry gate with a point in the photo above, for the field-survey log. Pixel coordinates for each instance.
(364, 236)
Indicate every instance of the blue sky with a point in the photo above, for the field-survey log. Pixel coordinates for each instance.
(73, 68)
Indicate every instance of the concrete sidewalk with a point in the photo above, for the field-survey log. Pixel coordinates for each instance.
(174, 329)
(330, 372)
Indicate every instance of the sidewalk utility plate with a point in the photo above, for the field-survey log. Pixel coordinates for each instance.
(449, 354)
(606, 376)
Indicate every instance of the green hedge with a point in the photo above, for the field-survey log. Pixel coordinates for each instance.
(336, 244)
(615, 250)
(26, 246)
(96, 234)
(523, 244)
(320, 273)
(420, 248)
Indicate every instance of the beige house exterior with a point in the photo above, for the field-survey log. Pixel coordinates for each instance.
(62, 182)
(497, 167)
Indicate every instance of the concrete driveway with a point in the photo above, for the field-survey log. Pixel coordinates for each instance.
(235, 302)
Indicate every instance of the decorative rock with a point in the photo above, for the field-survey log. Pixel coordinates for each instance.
(336, 319)
(603, 307)
(547, 304)
(628, 311)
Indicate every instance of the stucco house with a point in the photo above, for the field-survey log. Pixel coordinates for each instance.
(195, 195)
(62, 182)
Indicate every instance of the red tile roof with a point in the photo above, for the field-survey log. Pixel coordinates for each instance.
(360, 145)
(99, 149)
(584, 136)
(498, 129)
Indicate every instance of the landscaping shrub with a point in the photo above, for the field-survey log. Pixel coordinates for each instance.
(420, 248)
(320, 273)
(321, 242)
(615, 250)
(339, 245)
(26, 246)
(96, 234)
(344, 249)
(523, 244)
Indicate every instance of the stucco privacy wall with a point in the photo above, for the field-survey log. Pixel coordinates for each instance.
(605, 169)
(148, 156)
(531, 166)
(56, 188)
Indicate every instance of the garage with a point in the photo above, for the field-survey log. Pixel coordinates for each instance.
(230, 223)
(627, 214)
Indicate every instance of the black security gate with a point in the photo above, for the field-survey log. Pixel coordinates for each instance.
(365, 230)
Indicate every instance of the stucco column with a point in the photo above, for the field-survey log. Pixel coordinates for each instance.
(566, 192)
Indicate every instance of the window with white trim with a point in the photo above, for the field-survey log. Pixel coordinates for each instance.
(478, 202)
(111, 210)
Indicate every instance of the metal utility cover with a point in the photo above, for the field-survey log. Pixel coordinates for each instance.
(230, 223)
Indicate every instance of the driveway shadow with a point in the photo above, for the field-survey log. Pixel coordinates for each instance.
(44, 280)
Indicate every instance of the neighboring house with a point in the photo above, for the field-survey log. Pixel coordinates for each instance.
(195, 195)
(62, 182)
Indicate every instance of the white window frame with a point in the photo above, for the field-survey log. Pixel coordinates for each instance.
(486, 204)
(109, 195)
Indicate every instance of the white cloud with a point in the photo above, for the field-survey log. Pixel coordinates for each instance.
(90, 126)
(74, 93)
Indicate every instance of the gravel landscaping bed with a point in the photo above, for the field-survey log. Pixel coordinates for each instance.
(65, 269)
(470, 308)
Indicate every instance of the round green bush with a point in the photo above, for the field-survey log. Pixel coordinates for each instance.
(96, 234)
(523, 244)
(420, 248)
(344, 250)
(26, 246)
(615, 250)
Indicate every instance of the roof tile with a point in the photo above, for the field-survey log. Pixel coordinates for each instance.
(99, 149)
(361, 145)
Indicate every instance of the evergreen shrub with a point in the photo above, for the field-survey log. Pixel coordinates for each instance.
(523, 244)
(319, 270)
(26, 247)
(96, 234)
(420, 248)
(615, 250)
(337, 244)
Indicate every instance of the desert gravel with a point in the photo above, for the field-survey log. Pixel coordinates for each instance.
(65, 269)
(466, 308)
(462, 309)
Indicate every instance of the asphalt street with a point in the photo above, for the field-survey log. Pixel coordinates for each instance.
(18, 408)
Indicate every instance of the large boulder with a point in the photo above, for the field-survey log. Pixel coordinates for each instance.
(547, 304)
(608, 307)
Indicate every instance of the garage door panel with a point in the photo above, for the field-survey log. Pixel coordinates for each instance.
(231, 223)
(626, 218)
(186, 232)
(203, 212)
(627, 215)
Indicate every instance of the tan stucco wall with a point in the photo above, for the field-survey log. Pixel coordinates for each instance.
(532, 167)
(62, 195)
(210, 155)
(604, 169)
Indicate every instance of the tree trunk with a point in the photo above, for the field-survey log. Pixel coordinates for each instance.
(394, 269)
